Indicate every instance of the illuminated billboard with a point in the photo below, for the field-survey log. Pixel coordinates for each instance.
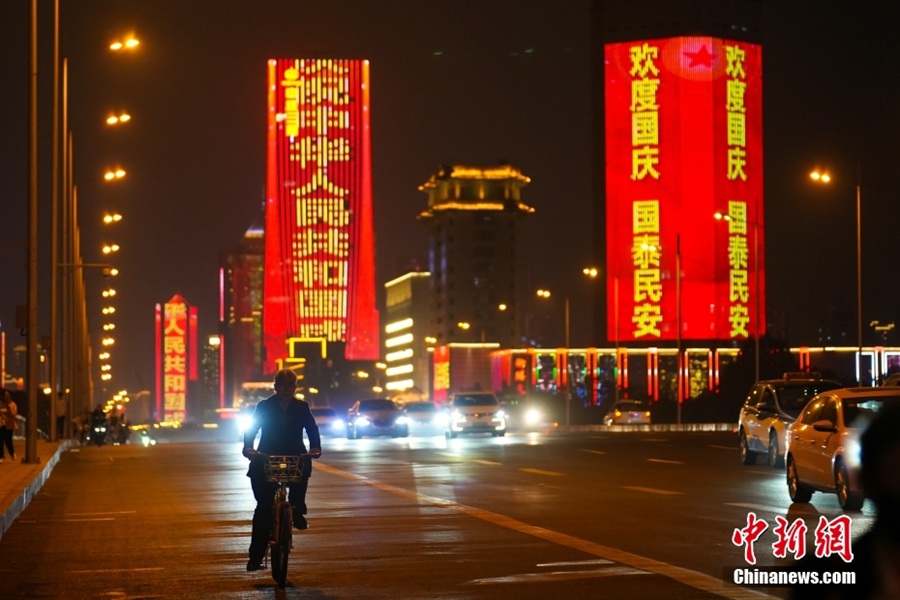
(683, 142)
(319, 240)
(175, 359)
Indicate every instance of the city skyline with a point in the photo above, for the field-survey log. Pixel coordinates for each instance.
(446, 88)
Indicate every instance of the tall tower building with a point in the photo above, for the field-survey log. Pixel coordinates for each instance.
(319, 234)
(678, 103)
(240, 310)
(472, 215)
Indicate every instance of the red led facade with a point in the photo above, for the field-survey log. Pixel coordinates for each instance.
(683, 142)
(319, 241)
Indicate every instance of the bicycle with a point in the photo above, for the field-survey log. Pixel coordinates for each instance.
(282, 469)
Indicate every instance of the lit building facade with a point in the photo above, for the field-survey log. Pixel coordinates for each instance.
(407, 336)
(473, 215)
(177, 361)
(319, 242)
(240, 315)
(678, 91)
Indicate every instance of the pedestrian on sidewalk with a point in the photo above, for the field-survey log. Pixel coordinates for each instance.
(8, 424)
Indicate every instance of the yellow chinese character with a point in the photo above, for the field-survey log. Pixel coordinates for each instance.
(735, 57)
(642, 58)
(736, 163)
(739, 318)
(647, 285)
(646, 320)
(737, 129)
(645, 251)
(645, 128)
(738, 287)
(643, 95)
(738, 252)
(645, 216)
(643, 162)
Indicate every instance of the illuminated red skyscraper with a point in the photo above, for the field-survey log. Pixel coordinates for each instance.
(319, 239)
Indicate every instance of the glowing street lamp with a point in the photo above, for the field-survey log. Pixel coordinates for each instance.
(110, 248)
(110, 218)
(129, 43)
(824, 177)
(114, 174)
(118, 119)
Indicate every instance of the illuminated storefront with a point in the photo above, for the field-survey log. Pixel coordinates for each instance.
(683, 142)
(319, 246)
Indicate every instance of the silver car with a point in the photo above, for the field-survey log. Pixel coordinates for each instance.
(823, 443)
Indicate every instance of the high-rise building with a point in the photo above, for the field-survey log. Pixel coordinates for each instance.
(473, 216)
(678, 88)
(240, 314)
(407, 333)
(319, 240)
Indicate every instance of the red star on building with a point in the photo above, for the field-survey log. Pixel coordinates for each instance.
(701, 57)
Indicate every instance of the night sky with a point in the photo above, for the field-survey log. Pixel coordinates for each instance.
(473, 82)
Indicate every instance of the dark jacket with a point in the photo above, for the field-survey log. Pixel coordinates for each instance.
(281, 431)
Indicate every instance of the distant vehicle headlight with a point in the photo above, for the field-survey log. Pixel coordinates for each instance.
(362, 421)
(244, 423)
(337, 424)
(532, 416)
(402, 420)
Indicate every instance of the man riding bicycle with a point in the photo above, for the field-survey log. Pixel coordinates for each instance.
(281, 419)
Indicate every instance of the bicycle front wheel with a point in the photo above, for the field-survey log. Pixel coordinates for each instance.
(282, 546)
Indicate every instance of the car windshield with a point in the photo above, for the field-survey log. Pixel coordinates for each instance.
(421, 408)
(794, 397)
(859, 411)
(474, 400)
(377, 405)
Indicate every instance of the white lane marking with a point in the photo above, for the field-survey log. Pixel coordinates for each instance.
(804, 510)
(490, 463)
(576, 563)
(717, 447)
(695, 579)
(668, 462)
(559, 576)
(542, 472)
(135, 570)
(638, 488)
(593, 451)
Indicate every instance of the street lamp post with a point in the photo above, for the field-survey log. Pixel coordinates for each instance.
(825, 178)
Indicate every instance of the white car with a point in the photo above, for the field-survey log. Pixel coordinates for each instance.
(628, 412)
(823, 443)
(475, 412)
(770, 406)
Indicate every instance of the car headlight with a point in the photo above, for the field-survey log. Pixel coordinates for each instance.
(337, 424)
(457, 417)
(402, 420)
(362, 421)
(244, 423)
(532, 416)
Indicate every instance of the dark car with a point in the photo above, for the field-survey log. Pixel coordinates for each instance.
(771, 406)
(375, 417)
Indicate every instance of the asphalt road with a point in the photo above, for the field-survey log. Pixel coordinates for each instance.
(588, 515)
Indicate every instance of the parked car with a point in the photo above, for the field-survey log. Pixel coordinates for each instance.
(475, 412)
(375, 417)
(628, 412)
(823, 443)
(328, 420)
(769, 408)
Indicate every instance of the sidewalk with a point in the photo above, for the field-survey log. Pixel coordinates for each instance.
(20, 482)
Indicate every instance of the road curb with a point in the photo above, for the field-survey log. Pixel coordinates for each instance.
(20, 502)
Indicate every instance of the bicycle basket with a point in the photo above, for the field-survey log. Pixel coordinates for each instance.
(284, 469)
